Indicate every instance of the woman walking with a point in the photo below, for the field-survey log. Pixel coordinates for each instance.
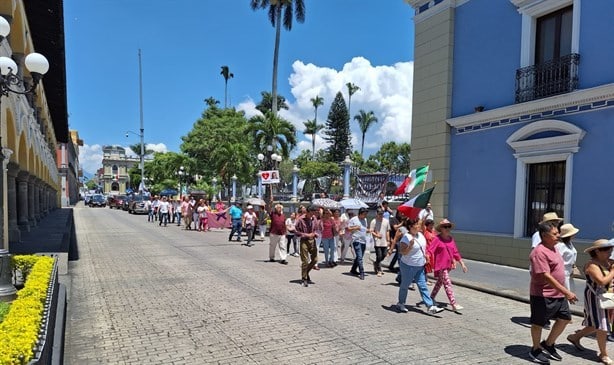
(445, 253)
(290, 236)
(568, 252)
(599, 275)
(412, 261)
(328, 237)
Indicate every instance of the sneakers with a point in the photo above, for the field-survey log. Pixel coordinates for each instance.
(550, 351)
(379, 274)
(401, 308)
(305, 283)
(283, 262)
(434, 310)
(539, 357)
(457, 308)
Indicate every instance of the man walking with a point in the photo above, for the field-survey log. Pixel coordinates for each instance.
(549, 297)
(236, 214)
(305, 230)
(358, 226)
(278, 230)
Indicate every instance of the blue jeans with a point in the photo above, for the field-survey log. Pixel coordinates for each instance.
(417, 274)
(329, 249)
(359, 250)
(236, 227)
(178, 217)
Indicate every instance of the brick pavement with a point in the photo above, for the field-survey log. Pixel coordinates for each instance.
(144, 294)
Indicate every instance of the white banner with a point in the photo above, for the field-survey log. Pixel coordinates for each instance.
(269, 177)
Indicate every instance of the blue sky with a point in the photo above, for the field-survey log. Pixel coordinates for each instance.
(184, 43)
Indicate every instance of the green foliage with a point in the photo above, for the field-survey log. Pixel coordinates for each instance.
(161, 171)
(316, 169)
(365, 120)
(4, 310)
(337, 131)
(274, 131)
(91, 185)
(266, 104)
(393, 157)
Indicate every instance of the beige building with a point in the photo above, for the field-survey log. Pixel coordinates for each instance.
(115, 166)
(32, 124)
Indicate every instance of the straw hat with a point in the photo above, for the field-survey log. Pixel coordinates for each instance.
(443, 223)
(568, 230)
(250, 207)
(602, 243)
(551, 216)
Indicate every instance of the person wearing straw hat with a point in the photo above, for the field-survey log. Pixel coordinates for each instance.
(549, 298)
(599, 275)
(568, 252)
(551, 218)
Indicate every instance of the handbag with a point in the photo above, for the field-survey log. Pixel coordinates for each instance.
(604, 300)
(430, 261)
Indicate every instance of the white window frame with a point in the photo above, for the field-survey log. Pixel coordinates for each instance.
(533, 9)
(549, 149)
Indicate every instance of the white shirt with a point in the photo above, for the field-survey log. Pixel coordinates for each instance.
(382, 227)
(425, 214)
(163, 207)
(359, 235)
(535, 239)
(569, 255)
(415, 257)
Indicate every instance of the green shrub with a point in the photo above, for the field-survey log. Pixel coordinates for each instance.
(4, 309)
(20, 328)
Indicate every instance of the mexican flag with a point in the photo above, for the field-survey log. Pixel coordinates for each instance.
(413, 206)
(416, 177)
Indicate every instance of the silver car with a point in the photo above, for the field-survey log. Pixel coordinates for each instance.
(139, 205)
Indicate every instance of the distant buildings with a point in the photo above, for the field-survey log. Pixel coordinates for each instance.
(114, 177)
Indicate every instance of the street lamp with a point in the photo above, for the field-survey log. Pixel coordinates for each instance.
(141, 157)
(234, 187)
(214, 182)
(181, 174)
(11, 82)
(347, 164)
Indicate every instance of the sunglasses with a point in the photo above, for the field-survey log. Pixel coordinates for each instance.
(446, 226)
(605, 248)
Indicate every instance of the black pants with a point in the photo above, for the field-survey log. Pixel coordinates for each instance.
(294, 245)
(380, 254)
(395, 258)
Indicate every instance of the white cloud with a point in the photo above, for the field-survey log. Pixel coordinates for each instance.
(386, 90)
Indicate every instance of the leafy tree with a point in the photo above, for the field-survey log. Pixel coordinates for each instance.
(162, 170)
(232, 158)
(226, 74)
(337, 131)
(291, 9)
(393, 157)
(266, 104)
(365, 120)
(352, 89)
(312, 127)
(91, 185)
(211, 102)
(136, 148)
(271, 130)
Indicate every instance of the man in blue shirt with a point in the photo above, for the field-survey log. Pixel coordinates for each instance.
(235, 214)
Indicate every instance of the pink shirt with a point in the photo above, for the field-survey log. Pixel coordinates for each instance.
(327, 228)
(443, 251)
(545, 260)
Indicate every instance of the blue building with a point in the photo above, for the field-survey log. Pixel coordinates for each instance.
(513, 109)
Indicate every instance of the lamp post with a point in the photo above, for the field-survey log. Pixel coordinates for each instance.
(270, 162)
(347, 164)
(141, 157)
(11, 82)
(214, 183)
(234, 187)
(180, 174)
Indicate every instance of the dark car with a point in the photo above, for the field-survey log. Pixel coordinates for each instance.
(97, 200)
(116, 201)
(126, 202)
(139, 205)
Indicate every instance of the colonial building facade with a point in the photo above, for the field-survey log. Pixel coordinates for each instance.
(68, 168)
(32, 125)
(115, 166)
(513, 109)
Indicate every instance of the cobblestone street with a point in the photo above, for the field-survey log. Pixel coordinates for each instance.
(144, 294)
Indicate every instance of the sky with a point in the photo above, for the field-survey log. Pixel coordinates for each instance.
(184, 43)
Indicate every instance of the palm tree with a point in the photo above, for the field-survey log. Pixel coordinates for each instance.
(231, 159)
(227, 75)
(266, 104)
(365, 120)
(352, 89)
(312, 127)
(271, 130)
(290, 8)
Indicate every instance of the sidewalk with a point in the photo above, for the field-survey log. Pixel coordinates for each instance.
(506, 281)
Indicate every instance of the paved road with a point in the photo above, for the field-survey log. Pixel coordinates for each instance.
(144, 294)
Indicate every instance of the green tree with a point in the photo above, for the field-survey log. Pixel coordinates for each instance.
(211, 102)
(337, 131)
(91, 185)
(393, 157)
(161, 171)
(136, 148)
(312, 127)
(271, 130)
(227, 75)
(232, 158)
(352, 89)
(266, 104)
(365, 121)
(291, 9)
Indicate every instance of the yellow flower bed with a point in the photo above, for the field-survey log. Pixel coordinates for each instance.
(19, 330)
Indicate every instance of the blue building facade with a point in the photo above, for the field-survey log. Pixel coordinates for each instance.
(530, 119)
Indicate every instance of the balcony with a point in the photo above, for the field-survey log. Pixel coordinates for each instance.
(555, 77)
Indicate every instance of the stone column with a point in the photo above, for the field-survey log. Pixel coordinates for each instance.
(31, 201)
(37, 199)
(45, 202)
(22, 201)
(11, 193)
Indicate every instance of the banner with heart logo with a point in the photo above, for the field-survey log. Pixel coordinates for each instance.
(269, 177)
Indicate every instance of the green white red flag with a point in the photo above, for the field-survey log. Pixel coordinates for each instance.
(413, 206)
(417, 177)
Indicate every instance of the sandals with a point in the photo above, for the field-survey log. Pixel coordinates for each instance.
(576, 343)
(606, 360)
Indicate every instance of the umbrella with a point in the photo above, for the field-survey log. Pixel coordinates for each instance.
(326, 203)
(353, 203)
(255, 201)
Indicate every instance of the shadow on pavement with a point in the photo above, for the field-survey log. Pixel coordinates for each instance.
(519, 351)
(393, 308)
(522, 321)
(522, 352)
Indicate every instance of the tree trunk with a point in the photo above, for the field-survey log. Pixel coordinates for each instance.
(276, 59)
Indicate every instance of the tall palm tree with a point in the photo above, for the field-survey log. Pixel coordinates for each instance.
(227, 75)
(291, 9)
(312, 127)
(266, 104)
(136, 148)
(316, 102)
(271, 130)
(352, 89)
(365, 120)
(231, 159)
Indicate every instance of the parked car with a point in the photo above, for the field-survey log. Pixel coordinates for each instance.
(116, 201)
(97, 200)
(138, 205)
(126, 202)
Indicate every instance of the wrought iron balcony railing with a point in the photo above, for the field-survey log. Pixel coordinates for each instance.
(547, 79)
